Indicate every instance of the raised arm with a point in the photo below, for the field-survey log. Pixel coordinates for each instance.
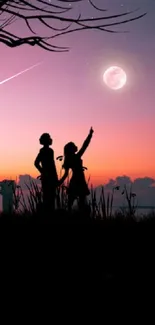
(86, 143)
(37, 162)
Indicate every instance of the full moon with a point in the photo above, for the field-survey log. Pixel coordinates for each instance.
(115, 77)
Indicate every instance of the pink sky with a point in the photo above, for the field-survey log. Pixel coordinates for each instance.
(66, 95)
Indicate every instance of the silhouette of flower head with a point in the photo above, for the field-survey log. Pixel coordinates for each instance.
(45, 139)
(60, 158)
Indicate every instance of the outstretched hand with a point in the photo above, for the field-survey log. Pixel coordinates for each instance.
(91, 131)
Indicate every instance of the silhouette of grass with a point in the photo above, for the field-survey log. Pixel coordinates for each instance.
(112, 264)
(30, 209)
(64, 217)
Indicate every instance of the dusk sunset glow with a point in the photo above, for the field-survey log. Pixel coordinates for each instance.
(65, 95)
(77, 132)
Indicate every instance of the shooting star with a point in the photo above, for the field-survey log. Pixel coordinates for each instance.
(19, 73)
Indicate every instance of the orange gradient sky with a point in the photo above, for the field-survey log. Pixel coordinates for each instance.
(65, 96)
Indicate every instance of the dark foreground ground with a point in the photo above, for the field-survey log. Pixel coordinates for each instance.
(76, 217)
(77, 251)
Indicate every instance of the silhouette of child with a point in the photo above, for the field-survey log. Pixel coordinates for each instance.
(77, 186)
(49, 178)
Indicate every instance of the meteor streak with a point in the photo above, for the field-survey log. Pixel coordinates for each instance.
(19, 73)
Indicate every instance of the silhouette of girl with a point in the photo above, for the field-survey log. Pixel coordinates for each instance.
(49, 178)
(77, 186)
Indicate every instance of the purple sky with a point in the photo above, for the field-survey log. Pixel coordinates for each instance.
(66, 95)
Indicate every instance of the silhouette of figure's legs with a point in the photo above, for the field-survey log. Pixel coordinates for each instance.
(71, 199)
(82, 202)
(49, 193)
(49, 199)
(83, 205)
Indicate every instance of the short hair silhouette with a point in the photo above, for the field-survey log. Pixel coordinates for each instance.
(45, 164)
(45, 139)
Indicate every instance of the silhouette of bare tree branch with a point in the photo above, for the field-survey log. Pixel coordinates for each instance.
(49, 12)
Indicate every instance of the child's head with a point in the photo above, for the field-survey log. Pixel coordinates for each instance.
(70, 148)
(45, 139)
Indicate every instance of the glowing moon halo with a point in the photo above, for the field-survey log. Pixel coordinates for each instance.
(115, 77)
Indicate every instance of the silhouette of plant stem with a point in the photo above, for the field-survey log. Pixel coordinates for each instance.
(130, 197)
(16, 196)
(106, 206)
(102, 209)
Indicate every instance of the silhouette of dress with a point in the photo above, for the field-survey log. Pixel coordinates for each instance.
(77, 186)
(49, 176)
